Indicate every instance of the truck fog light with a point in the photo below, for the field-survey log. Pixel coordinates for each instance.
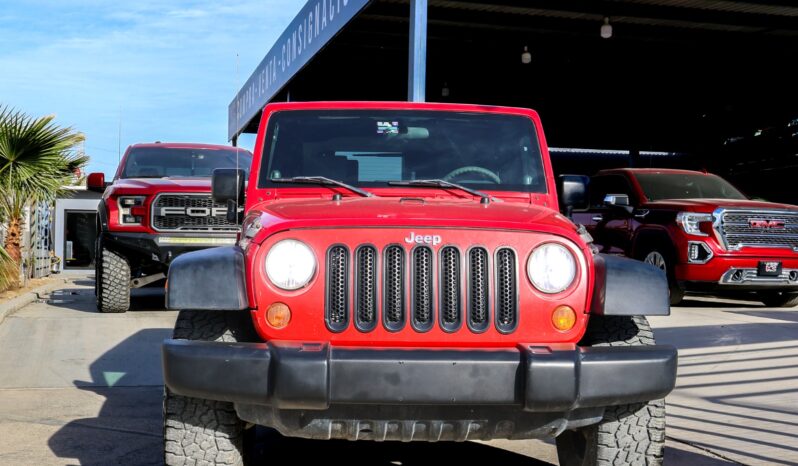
(698, 252)
(563, 318)
(278, 315)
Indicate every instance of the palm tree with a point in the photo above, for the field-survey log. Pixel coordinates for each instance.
(37, 158)
(8, 270)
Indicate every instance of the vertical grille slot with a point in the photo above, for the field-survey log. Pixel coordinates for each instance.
(450, 288)
(337, 306)
(478, 299)
(506, 291)
(366, 288)
(394, 288)
(422, 289)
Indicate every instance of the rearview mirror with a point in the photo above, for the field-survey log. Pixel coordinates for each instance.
(572, 192)
(620, 201)
(96, 182)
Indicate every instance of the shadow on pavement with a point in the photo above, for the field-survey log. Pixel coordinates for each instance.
(143, 299)
(128, 429)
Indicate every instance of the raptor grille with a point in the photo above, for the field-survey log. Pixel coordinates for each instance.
(190, 212)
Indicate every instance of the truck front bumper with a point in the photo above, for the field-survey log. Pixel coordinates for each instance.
(530, 378)
(162, 247)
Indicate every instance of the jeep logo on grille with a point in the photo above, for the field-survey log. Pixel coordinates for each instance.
(423, 239)
(764, 223)
(193, 211)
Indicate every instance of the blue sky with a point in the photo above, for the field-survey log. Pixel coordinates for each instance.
(167, 67)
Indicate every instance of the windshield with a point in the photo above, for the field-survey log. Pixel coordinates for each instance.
(659, 186)
(162, 162)
(370, 148)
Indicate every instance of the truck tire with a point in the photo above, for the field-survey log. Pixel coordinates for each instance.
(778, 298)
(112, 281)
(632, 434)
(198, 431)
(661, 258)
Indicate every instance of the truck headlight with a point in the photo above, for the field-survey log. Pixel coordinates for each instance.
(691, 222)
(551, 268)
(290, 264)
(131, 210)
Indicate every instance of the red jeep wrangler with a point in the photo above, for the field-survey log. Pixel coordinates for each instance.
(158, 207)
(403, 273)
(704, 233)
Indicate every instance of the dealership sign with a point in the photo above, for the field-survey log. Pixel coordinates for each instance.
(313, 27)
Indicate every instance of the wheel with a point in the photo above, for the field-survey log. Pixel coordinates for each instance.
(198, 431)
(778, 298)
(112, 282)
(662, 260)
(631, 434)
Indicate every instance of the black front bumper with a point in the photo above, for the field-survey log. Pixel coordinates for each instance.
(162, 247)
(317, 376)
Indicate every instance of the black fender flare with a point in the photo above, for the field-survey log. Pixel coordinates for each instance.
(627, 287)
(208, 279)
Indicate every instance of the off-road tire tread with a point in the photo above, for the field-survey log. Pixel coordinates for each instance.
(632, 434)
(201, 432)
(113, 293)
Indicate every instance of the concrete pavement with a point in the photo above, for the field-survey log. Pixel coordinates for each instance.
(78, 387)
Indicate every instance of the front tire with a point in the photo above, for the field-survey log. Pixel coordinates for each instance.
(632, 434)
(112, 282)
(198, 431)
(778, 299)
(661, 259)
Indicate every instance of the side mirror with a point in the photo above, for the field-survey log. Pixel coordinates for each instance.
(621, 201)
(227, 187)
(96, 182)
(572, 192)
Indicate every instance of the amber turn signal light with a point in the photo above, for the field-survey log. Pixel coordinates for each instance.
(278, 315)
(563, 318)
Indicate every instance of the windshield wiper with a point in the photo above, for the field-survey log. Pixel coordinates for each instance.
(321, 180)
(438, 183)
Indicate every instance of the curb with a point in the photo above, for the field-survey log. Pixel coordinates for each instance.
(14, 304)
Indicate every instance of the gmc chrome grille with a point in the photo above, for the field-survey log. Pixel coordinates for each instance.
(751, 228)
(436, 287)
(189, 212)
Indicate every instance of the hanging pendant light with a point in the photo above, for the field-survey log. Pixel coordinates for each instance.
(606, 29)
(526, 57)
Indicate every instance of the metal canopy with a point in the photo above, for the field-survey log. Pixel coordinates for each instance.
(473, 47)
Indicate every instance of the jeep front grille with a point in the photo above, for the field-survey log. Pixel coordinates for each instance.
(189, 212)
(337, 305)
(397, 286)
(737, 231)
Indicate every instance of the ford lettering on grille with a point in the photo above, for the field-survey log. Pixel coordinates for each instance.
(194, 211)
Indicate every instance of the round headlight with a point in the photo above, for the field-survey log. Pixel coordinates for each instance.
(290, 264)
(551, 268)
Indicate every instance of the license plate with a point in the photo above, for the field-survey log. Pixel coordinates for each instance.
(769, 269)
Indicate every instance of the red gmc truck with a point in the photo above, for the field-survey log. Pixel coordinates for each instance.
(705, 234)
(403, 273)
(158, 207)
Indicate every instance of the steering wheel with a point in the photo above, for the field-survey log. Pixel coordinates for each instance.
(473, 169)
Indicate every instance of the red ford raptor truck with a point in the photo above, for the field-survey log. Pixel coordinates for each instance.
(403, 273)
(158, 206)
